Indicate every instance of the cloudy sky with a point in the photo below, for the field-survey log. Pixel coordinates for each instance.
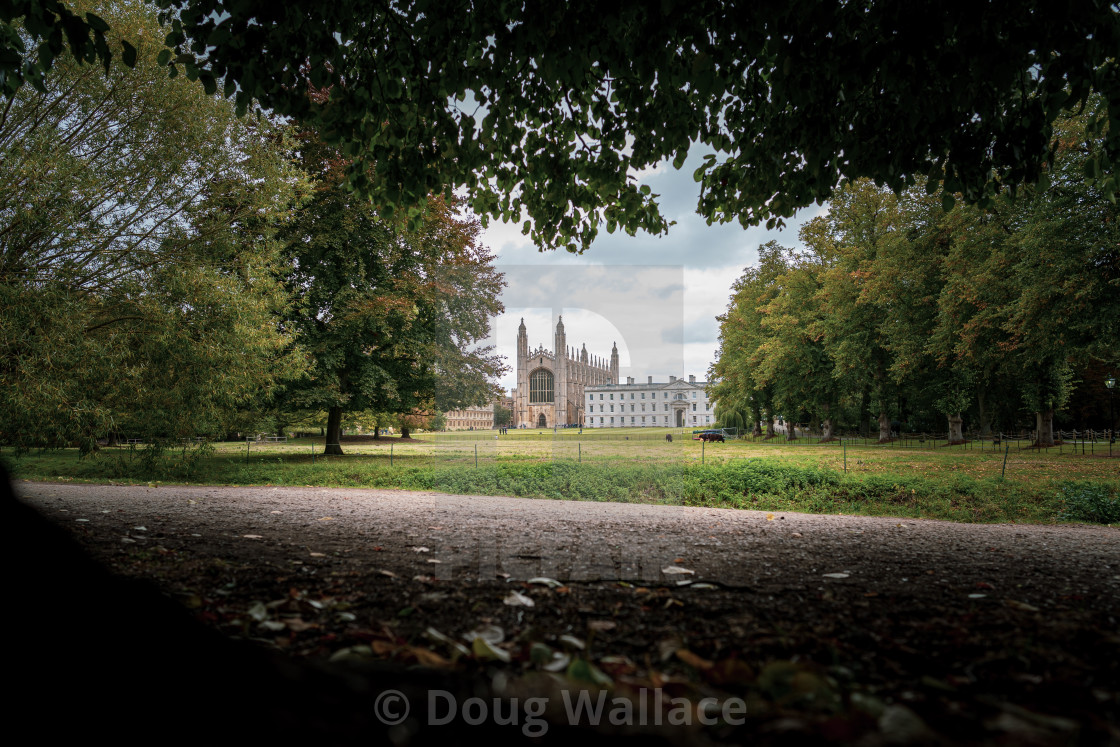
(656, 298)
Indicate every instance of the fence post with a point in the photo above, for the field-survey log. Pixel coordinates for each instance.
(390, 455)
(702, 444)
(579, 446)
(476, 456)
(246, 451)
(1005, 453)
(844, 446)
(313, 451)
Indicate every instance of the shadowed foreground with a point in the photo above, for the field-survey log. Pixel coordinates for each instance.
(826, 627)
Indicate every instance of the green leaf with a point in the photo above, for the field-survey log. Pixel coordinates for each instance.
(128, 54)
(96, 23)
(163, 57)
(582, 670)
(947, 201)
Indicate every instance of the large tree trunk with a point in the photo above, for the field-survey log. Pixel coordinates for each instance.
(865, 413)
(791, 431)
(757, 430)
(405, 432)
(956, 436)
(826, 430)
(334, 432)
(884, 428)
(770, 431)
(985, 416)
(1044, 428)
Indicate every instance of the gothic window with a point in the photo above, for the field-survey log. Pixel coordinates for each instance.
(540, 386)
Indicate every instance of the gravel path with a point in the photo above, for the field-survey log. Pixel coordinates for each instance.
(483, 537)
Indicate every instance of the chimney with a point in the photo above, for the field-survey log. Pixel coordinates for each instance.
(672, 379)
(691, 379)
(629, 380)
(650, 380)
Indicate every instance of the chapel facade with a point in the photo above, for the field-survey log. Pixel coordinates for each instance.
(550, 384)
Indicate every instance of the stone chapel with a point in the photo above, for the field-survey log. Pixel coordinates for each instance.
(550, 383)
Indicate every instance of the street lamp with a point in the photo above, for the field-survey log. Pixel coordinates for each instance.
(1110, 382)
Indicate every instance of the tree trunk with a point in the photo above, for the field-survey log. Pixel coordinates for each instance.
(770, 432)
(334, 432)
(884, 428)
(956, 436)
(404, 432)
(1044, 428)
(865, 413)
(826, 430)
(985, 416)
(791, 431)
(757, 430)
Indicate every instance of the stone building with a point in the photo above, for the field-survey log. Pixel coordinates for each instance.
(476, 418)
(551, 383)
(676, 403)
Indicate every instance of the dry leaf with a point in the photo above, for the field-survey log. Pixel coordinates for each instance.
(691, 659)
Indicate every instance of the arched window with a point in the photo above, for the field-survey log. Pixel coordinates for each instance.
(540, 386)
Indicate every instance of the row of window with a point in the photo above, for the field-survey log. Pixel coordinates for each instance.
(652, 395)
(707, 419)
(591, 408)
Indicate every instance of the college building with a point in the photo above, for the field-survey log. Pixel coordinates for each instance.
(676, 403)
(565, 388)
(470, 418)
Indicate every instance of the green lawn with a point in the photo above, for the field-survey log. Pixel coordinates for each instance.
(959, 483)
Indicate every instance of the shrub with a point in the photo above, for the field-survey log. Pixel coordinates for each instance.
(1086, 501)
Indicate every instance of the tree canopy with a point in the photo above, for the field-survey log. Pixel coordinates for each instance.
(902, 309)
(138, 291)
(549, 112)
(394, 320)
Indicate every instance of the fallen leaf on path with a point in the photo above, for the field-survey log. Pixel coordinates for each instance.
(458, 648)
(582, 670)
(326, 518)
(252, 536)
(837, 575)
(769, 517)
(1015, 604)
(390, 574)
(483, 650)
(318, 555)
(691, 659)
(543, 581)
(420, 549)
(517, 599)
(490, 633)
(427, 658)
(602, 625)
(673, 570)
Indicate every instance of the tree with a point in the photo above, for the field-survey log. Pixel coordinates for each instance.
(391, 317)
(137, 263)
(503, 416)
(551, 112)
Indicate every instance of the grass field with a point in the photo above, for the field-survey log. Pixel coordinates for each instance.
(959, 483)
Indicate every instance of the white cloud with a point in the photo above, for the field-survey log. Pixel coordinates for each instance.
(657, 298)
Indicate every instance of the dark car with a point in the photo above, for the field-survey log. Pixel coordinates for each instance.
(711, 436)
